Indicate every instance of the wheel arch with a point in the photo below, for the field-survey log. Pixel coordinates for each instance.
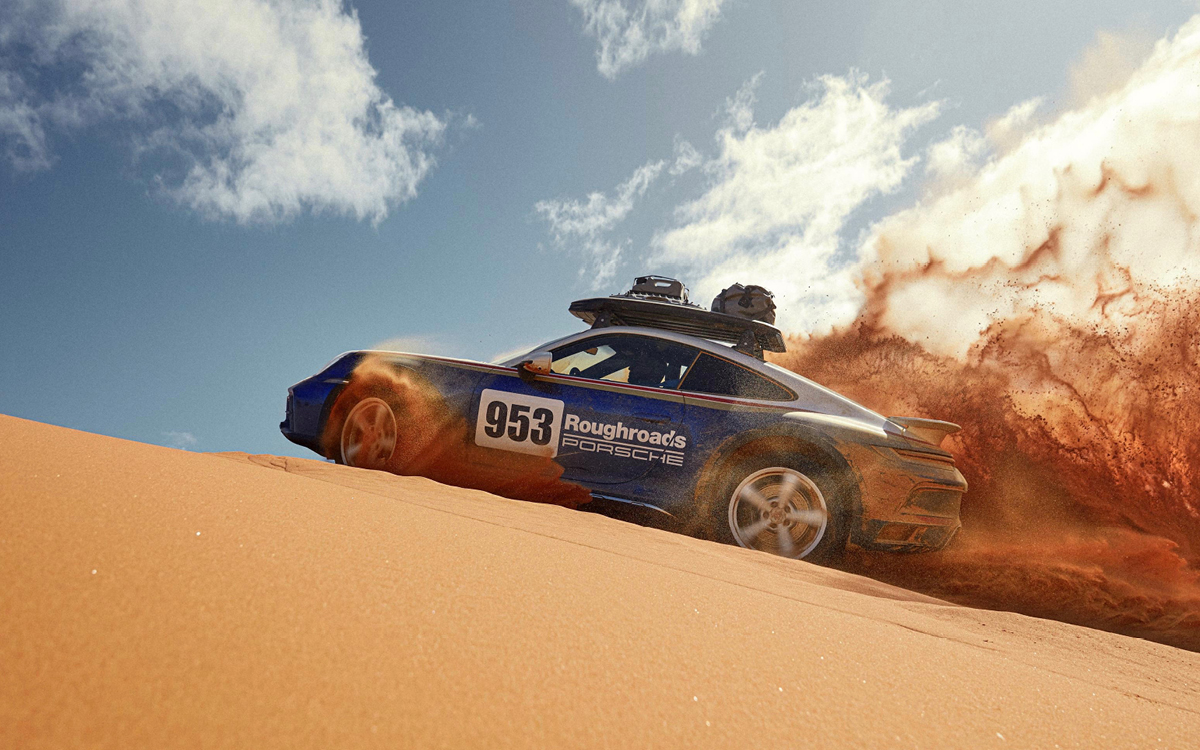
(358, 385)
(796, 440)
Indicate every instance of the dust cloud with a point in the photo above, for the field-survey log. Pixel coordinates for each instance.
(1080, 508)
(1049, 302)
(1051, 306)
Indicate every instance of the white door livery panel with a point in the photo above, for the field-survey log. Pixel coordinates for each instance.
(518, 422)
(622, 441)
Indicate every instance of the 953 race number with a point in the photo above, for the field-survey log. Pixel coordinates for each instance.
(519, 423)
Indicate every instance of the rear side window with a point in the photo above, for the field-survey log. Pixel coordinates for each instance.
(723, 378)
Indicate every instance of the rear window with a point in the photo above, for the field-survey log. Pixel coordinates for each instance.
(721, 377)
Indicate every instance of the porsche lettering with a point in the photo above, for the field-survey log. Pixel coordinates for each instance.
(623, 450)
(624, 433)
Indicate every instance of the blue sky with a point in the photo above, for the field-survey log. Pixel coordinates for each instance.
(199, 207)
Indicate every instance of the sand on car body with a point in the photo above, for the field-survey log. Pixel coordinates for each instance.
(153, 597)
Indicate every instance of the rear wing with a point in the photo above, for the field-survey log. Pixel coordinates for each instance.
(931, 431)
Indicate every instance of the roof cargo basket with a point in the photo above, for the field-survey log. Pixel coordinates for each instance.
(664, 306)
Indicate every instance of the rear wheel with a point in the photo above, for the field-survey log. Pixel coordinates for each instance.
(778, 506)
(368, 436)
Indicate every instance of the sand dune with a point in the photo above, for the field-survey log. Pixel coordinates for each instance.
(156, 598)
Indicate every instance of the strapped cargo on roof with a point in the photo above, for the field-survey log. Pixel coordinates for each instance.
(662, 303)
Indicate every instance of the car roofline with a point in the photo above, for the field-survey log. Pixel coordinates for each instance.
(681, 338)
(712, 347)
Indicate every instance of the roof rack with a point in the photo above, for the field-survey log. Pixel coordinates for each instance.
(750, 337)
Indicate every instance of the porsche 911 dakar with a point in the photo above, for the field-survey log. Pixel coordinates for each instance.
(661, 412)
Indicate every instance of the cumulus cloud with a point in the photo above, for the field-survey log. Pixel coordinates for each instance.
(779, 197)
(628, 32)
(957, 158)
(585, 223)
(957, 155)
(246, 109)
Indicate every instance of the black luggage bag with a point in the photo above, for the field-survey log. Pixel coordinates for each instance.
(750, 301)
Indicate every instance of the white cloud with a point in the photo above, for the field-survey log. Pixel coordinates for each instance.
(600, 212)
(246, 109)
(586, 222)
(779, 197)
(628, 32)
(184, 441)
(20, 127)
(956, 156)
(1074, 226)
(1008, 130)
(686, 157)
(739, 108)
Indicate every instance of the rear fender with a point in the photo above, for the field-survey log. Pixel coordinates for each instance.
(794, 437)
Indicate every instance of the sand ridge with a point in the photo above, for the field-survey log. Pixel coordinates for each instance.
(262, 601)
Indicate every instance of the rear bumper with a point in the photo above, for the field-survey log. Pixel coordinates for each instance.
(907, 536)
(910, 499)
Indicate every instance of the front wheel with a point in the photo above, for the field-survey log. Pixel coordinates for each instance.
(784, 511)
(368, 436)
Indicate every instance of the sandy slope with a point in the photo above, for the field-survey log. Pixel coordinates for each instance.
(151, 597)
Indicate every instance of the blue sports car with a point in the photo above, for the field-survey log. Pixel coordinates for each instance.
(661, 412)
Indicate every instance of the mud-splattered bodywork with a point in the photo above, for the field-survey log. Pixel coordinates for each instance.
(618, 446)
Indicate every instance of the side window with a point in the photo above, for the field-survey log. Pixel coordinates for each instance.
(572, 360)
(720, 377)
(622, 358)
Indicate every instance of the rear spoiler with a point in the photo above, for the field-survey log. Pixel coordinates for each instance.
(931, 431)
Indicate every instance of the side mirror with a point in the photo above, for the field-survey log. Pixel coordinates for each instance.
(537, 364)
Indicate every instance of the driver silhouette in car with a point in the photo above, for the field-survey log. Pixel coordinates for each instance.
(654, 368)
(648, 371)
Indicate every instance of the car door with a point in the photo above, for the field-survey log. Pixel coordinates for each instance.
(600, 428)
